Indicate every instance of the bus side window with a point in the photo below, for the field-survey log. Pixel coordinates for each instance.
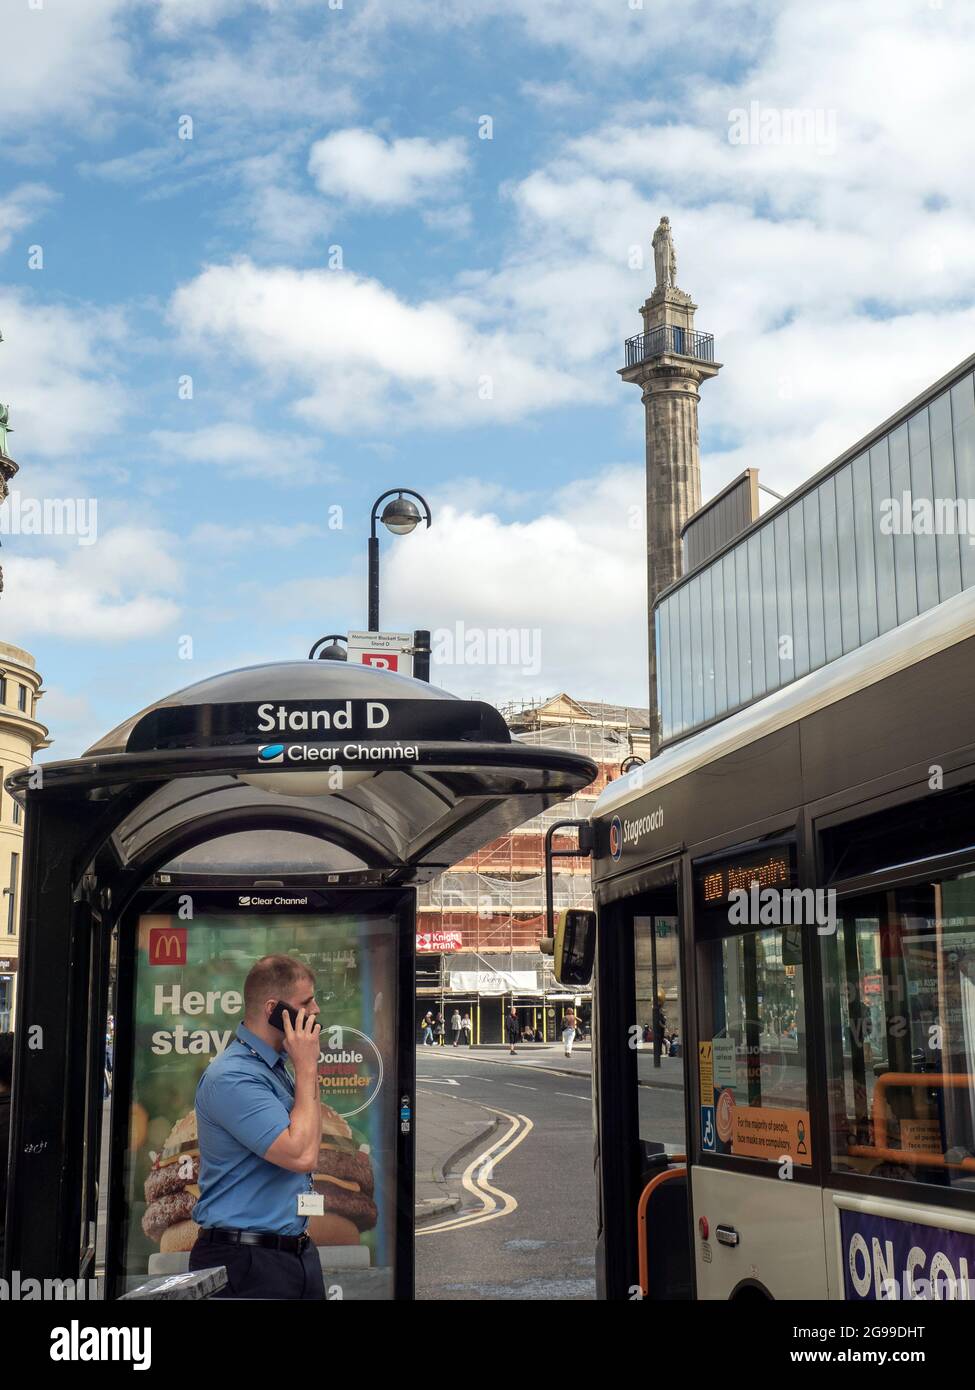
(752, 1053)
(900, 1020)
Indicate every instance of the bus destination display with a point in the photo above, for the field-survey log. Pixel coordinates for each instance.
(769, 868)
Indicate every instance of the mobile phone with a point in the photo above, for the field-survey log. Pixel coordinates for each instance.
(276, 1016)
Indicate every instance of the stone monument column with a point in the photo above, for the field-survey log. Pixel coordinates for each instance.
(7, 466)
(668, 361)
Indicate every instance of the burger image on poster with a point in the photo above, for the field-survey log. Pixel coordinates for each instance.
(171, 1191)
(343, 1176)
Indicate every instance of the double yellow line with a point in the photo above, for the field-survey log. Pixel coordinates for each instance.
(493, 1201)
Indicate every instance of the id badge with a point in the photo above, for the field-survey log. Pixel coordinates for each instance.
(311, 1204)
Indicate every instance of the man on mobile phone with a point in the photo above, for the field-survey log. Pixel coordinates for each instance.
(259, 1134)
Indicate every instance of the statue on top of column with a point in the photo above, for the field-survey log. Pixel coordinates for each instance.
(4, 429)
(664, 256)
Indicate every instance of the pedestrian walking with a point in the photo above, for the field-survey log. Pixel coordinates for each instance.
(659, 1026)
(569, 1025)
(455, 1026)
(439, 1030)
(427, 1027)
(512, 1029)
(466, 1029)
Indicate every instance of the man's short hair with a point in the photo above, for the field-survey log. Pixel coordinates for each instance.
(272, 977)
(6, 1060)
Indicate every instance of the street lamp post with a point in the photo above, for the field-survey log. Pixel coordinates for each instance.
(401, 516)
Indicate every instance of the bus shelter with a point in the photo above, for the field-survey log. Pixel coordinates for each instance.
(287, 808)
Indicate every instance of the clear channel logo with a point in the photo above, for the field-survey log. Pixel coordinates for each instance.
(271, 753)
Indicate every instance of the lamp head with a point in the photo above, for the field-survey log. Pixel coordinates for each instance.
(401, 516)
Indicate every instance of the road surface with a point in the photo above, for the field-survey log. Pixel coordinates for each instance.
(527, 1225)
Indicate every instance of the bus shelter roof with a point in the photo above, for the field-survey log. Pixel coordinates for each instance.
(391, 776)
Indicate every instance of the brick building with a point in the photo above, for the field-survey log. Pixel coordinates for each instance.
(479, 924)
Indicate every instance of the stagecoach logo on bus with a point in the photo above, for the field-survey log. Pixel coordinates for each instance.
(631, 832)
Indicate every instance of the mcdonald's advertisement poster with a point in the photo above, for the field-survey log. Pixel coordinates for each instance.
(189, 984)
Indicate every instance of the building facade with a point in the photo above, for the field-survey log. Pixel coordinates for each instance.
(21, 735)
(479, 924)
(883, 533)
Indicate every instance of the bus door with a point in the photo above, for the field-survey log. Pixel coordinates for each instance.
(639, 1059)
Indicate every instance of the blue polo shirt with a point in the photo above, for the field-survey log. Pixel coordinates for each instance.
(243, 1102)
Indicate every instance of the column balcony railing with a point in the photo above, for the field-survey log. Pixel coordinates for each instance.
(668, 338)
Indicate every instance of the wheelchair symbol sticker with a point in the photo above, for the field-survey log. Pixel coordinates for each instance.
(707, 1128)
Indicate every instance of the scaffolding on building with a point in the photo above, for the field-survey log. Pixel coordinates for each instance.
(494, 901)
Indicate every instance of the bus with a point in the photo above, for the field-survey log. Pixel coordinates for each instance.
(810, 860)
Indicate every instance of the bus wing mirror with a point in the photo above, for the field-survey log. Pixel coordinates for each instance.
(574, 946)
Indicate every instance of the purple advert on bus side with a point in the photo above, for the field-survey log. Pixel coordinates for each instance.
(886, 1259)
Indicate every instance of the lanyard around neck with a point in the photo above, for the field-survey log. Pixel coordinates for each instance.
(254, 1053)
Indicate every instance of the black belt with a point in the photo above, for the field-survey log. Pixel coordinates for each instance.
(221, 1235)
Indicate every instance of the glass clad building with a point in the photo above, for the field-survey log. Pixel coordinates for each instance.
(825, 571)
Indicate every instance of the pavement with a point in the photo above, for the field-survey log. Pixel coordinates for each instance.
(447, 1129)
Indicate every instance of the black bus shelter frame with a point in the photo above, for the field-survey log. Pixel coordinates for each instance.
(87, 855)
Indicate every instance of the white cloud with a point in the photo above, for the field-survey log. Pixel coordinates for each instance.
(552, 94)
(275, 76)
(117, 590)
(174, 17)
(63, 59)
(574, 574)
(57, 364)
(607, 34)
(364, 168)
(836, 275)
(455, 219)
(791, 404)
(72, 719)
(571, 580)
(20, 207)
(216, 537)
(284, 219)
(364, 356)
(247, 451)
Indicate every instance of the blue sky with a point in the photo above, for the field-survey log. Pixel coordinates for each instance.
(365, 293)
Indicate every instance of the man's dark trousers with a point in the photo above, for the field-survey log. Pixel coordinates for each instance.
(256, 1271)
